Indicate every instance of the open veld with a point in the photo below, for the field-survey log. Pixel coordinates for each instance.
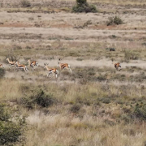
(95, 104)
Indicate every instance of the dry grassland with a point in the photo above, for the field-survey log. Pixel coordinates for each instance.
(95, 104)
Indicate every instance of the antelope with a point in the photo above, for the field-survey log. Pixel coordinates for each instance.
(116, 65)
(21, 66)
(12, 63)
(64, 65)
(53, 71)
(32, 63)
(1, 66)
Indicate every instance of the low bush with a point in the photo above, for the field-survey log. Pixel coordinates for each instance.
(75, 108)
(9, 130)
(130, 55)
(44, 100)
(140, 111)
(114, 21)
(25, 3)
(101, 77)
(38, 97)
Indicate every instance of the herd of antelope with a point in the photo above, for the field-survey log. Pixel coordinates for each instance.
(33, 64)
(52, 71)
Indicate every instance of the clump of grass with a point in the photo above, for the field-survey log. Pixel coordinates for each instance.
(17, 47)
(130, 55)
(75, 108)
(2, 73)
(85, 73)
(79, 59)
(25, 3)
(101, 77)
(87, 23)
(114, 21)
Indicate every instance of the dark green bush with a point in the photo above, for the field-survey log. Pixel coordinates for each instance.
(83, 6)
(44, 100)
(140, 111)
(40, 98)
(4, 116)
(114, 20)
(2, 72)
(9, 130)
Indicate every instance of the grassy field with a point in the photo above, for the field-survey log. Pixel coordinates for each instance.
(94, 104)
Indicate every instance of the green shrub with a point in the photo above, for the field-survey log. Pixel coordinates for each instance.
(83, 6)
(44, 100)
(9, 130)
(4, 116)
(114, 20)
(38, 97)
(25, 3)
(2, 72)
(140, 111)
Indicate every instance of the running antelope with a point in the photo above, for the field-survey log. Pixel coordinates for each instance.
(1, 66)
(64, 66)
(116, 65)
(52, 71)
(32, 63)
(21, 66)
(12, 63)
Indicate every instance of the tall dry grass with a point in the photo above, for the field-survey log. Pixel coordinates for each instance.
(62, 129)
(90, 114)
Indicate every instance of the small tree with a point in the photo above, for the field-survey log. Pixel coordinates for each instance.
(83, 6)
